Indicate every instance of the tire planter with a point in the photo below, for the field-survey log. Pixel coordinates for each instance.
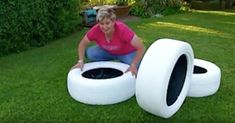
(101, 83)
(205, 79)
(164, 77)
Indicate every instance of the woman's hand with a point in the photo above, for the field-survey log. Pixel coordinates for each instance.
(80, 65)
(133, 69)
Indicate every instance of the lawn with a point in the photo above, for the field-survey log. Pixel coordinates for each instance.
(33, 84)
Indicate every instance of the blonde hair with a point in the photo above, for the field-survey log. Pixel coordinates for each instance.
(105, 12)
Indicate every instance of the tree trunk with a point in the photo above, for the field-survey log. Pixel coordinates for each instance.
(229, 4)
(222, 4)
(226, 4)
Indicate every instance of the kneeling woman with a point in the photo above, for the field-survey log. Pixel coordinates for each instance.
(115, 41)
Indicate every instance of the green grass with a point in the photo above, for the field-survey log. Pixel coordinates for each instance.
(33, 84)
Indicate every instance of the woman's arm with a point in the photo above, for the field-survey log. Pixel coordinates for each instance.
(81, 48)
(81, 52)
(136, 42)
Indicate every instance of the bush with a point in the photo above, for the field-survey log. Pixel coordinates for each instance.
(147, 8)
(138, 9)
(205, 5)
(25, 23)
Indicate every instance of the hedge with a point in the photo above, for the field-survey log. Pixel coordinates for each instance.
(25, 23)
(150, 8)
(205, 5)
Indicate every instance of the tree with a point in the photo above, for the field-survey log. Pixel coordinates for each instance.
(226, 4)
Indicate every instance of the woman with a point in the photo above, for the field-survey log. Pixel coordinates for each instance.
(115, 41)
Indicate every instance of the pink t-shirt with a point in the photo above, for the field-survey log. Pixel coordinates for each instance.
(120, 43)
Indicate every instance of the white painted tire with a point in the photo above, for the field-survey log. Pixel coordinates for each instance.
(205, 79)
(164, 59)
(101, 91)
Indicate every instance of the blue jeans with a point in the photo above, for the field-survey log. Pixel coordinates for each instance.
(95, 53)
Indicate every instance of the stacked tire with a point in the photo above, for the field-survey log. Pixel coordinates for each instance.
(168, 73)
(205, 79)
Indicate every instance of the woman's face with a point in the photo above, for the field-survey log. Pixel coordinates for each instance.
(106, 25)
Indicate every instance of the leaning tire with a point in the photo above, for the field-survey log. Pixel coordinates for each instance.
(164, 77)
(101, 91)
(205, 79)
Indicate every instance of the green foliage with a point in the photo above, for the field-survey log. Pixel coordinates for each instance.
(185, 6)
(122, 2)
(138, 9)
(90, 3)
(205, 5)
(99, 2)
(171, 10)
(34, 86)
(26, 23)
(147, 8)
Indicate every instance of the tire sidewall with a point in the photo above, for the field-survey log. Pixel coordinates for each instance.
(101, 91)
(154, 74)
